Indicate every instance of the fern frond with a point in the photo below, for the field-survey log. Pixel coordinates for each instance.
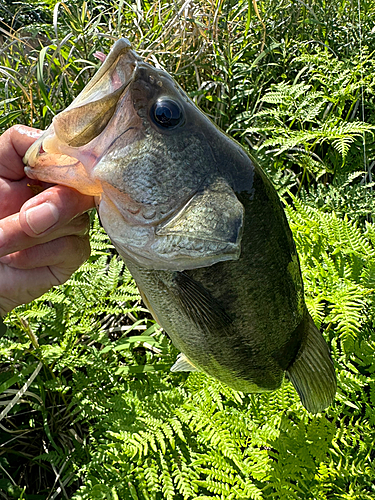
(284, 92)
(185, 479)
(348, 304)
(316, 307)
(152, 475)
(168, 489)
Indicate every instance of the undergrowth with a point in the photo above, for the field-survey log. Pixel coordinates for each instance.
(90, 409)
(104, 412)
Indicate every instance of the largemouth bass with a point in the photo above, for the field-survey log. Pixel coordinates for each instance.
(198, 224)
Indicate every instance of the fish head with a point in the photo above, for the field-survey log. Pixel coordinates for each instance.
(136, 142)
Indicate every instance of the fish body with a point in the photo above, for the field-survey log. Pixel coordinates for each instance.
(198, 224)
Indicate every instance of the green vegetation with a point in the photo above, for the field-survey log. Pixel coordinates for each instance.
(90, 408)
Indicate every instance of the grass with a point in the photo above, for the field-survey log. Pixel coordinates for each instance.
(101, 416)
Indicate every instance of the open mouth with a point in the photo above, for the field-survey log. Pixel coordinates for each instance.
(61, 153)
(78, 126)
(115, 72)
(87, 116)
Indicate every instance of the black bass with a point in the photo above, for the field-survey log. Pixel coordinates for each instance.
(198, 224)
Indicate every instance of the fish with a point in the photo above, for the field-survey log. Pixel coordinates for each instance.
(198, 223)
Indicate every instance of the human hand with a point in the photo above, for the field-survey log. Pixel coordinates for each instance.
(43, 238)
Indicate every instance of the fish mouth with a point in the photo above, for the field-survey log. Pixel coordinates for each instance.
(68, 150)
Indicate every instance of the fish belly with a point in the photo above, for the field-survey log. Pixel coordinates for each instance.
(200, 328)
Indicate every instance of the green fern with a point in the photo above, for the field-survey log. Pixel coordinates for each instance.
(172, 436)
(312, 127)
(349, 195)
(337, 259)
(114, 421)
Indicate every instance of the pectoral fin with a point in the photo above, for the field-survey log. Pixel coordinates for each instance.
(198, 303)
(206, 230)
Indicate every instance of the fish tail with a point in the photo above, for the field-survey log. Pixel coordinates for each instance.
(312, 373)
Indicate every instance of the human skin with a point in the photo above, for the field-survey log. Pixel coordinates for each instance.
(43, 238)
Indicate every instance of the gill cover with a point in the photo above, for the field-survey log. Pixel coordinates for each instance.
(205, 230)
(208, 228)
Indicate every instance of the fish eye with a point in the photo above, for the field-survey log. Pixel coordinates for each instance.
(166, 113)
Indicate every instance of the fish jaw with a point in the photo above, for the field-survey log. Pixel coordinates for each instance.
(69, 149)
(186, 239)
(58, 168)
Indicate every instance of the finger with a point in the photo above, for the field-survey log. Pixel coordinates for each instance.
(52, 209)
(13, 194)
(13, 145)
(14, 239)
(20, 286)
(67, 252)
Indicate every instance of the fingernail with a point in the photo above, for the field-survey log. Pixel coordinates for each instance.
(42, 217)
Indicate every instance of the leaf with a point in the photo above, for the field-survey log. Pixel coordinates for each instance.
(40, 80)
(9, 117)
(124, 370)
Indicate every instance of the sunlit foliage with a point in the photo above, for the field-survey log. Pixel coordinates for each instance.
(89, 408)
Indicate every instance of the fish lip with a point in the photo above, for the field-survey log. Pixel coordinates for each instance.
(90, 94)
(120, 97)
(27, 169)
(122, 47)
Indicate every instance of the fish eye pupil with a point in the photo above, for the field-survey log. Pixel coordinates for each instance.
(166, 113)
(163, 114)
